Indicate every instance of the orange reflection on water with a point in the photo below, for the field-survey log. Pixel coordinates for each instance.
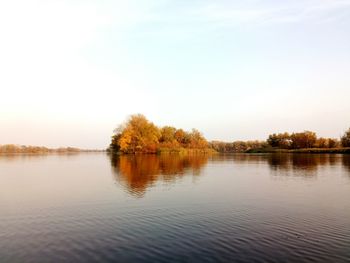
(138, 172)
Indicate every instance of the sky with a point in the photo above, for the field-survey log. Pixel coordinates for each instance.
(72, 71)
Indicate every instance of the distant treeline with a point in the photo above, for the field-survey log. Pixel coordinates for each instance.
(138, 135)
(11, 148)
(237, 146)
(300, 140)
(285, 141)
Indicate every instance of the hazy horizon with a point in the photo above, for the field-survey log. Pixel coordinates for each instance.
(71, 71)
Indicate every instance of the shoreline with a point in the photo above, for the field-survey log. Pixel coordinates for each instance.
(343, 150)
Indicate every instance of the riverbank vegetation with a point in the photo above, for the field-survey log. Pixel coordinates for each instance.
(12, 148)
(299, 142)
(237, 146)
(139, 135)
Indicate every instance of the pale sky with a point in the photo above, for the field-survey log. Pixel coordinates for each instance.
(71, 71)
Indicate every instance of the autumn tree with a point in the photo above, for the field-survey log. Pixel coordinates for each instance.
(345, 139)
(167, 134)
(236, 146)
(255, 145)
(136, 135)
(219, 146)
(326, 143)
(280, 140)
(321, 143)
(182, 137)
(333, 143)
(197, 140)
(306, 139)
(273, 140)
(167, 138)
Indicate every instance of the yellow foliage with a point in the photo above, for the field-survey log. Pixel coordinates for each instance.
(138, 135)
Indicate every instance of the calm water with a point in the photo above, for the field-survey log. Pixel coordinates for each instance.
(238, 208)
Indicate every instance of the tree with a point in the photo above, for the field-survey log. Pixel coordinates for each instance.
(197, 140)
(280, 140)
(345, 139)
(322, 143)
(136, 135)
(182, 137)
(326, 143)
(333, 143)
(114, 146)
(167, 134)
(236, 146)
(306, 139)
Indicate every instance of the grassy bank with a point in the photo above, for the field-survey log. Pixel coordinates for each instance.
(182, 150)
(175, 150)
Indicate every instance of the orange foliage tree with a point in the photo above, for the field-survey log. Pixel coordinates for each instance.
(138, 135)
(306, 139)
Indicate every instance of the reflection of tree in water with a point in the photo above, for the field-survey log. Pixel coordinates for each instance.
(15, 157)
(239, 158)
(20, 157)
(288, 164)
(138, 172)
(279, 161)
(300, 164)
(346, 162)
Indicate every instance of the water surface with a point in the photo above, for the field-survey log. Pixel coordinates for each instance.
(223, 208)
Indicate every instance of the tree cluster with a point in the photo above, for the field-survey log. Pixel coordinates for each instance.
(298, 140)
(139, 135)
(301, 140)
(12, 148)
(345, 139)
(236, 146)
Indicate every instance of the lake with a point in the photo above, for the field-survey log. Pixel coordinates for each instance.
(91, 207)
